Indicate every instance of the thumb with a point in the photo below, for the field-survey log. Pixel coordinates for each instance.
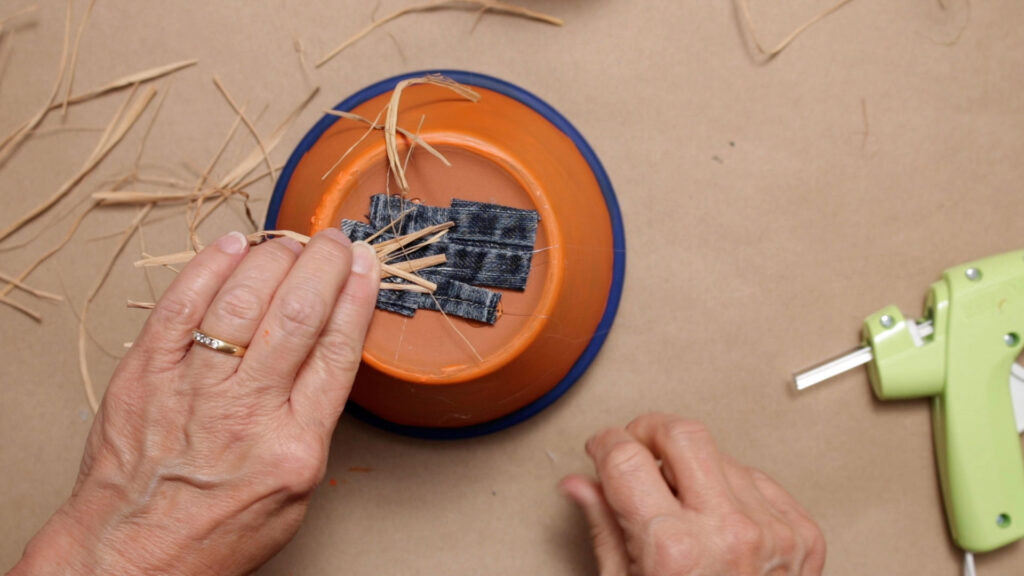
(609, 543)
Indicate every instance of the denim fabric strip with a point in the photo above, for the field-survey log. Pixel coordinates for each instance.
(356, 231)
(489, 245)
(398, 302)
(487, 266)
(460, 299)
(493, 224)
(384, 210)
(456, 298)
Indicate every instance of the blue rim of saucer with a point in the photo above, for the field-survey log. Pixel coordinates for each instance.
(618, 244)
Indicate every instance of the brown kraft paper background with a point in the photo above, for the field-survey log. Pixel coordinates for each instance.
(768, 207)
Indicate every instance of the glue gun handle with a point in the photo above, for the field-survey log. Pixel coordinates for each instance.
(979, 456)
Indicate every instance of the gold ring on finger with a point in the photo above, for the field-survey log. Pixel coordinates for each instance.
(217, 344)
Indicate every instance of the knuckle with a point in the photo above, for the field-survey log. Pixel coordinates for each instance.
(300, 465)
(742, 535)
(302, 481)
(602, 537)
(177, 310)
(687, 431)
(278, 251)
(649, 420)
(340, 353)
(241, 304)
(326, 252)
(603, 436)
(598, 440)
(333, 238)
(788, 543)
(333, 249)
(625, 458)
(804, 526)
(301, 311)
(358, 299)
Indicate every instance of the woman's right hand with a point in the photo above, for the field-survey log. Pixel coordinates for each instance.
(696, 512)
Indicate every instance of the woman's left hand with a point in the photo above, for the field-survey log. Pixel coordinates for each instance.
(200, 462)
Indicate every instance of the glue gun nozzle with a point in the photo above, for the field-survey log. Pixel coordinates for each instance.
(851, 360)
(833, 368)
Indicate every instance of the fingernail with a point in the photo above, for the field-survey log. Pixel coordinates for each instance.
(364, 258)
(232, 243)
(337, 235)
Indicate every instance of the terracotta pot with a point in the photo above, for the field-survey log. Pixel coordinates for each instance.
(447, 377)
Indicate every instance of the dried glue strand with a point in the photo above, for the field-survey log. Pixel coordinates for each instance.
(963, 28)
(141, 305)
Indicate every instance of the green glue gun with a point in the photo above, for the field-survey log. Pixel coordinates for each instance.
(962, 355)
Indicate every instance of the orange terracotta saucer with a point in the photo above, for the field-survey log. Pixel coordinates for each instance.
(420, 376)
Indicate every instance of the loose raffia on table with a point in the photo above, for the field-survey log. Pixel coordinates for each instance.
(744, 13)
(12, 142)
(483, 6)
(207, 195)
(18, 14)
(74, 57)
(128, 114)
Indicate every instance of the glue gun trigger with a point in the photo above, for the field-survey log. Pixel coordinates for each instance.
(1017, 394)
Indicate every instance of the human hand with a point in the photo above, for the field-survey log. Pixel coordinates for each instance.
(200, 462)
(697, 512)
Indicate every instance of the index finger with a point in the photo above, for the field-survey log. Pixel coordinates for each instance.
(689, 451)
(631, 478)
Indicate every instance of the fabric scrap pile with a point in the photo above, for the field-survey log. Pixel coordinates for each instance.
(489, 245)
